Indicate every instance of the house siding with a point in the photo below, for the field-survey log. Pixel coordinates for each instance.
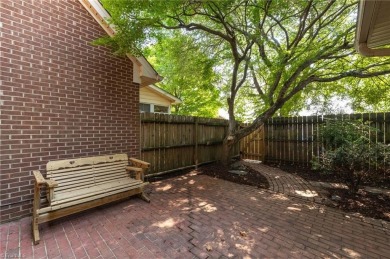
(61, 97)
(148, 96)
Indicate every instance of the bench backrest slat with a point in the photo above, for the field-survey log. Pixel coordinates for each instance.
(71, 174)
(75, 174)
(86, 170)
(69, 163)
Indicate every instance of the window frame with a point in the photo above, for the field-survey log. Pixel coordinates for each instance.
(151, 105)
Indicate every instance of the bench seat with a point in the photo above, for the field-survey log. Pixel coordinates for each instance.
(75, 185)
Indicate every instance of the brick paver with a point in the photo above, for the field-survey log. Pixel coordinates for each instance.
(294, 185)
(289, 184)
(196, 216)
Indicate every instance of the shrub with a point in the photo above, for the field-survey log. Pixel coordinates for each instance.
(349, 152)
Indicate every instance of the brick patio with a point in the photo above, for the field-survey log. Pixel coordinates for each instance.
(195, 216)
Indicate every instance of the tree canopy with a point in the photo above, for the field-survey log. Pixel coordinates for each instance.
(272, 52)
(189, 77)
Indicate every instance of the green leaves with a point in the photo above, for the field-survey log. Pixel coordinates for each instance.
(188, 74)
(351, 150)
(265, 56)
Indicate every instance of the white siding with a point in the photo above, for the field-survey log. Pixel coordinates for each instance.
(148, 96)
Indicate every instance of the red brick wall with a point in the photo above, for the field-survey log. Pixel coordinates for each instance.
(61, 97)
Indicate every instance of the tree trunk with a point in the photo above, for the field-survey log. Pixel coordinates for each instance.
(228, 144)
(234, 135)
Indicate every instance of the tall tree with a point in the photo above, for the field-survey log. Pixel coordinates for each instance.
(345, 95)
(279, 48)
(349, 94)
(189, 77)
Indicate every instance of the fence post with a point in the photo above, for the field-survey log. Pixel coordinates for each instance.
(196, 142)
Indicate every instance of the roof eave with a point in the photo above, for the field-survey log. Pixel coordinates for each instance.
(365, 23)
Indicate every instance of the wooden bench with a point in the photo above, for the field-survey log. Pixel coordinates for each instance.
(75, 185)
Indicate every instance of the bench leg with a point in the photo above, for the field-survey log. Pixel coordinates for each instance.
(35, 231)
(143, 196)
(34, 223)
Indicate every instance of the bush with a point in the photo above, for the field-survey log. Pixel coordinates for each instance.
(349, 152)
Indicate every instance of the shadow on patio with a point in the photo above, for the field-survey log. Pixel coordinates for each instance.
(199, 216)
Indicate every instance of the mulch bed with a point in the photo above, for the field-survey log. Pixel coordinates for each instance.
(367, 204)
(219, 171)
(313, 175)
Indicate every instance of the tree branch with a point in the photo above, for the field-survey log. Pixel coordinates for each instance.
(279, 103)
(353, 73)
(278, 22)
(196, 26)
(301, 33)
(243, 79)
(257, 85)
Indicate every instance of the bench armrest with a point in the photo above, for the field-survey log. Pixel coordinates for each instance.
(139, 163)
(139, 172)
(50, 184)
(40, 180)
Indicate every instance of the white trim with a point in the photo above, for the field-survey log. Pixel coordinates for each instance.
(100, 9)
(366, 21)
(143, 71)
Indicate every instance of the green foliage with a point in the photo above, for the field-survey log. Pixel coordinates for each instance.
(270, 56)
(371, 95)
(188, 74)
(350, 152)
(360, 96)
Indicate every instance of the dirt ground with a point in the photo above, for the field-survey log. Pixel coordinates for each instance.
(219, 171)
(367, 204)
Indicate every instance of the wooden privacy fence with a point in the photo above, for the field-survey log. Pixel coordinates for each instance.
(174, 142)
(253, 146)
(296, 140)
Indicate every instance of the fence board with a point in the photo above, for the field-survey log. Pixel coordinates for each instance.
(171, 142)
(296, 140)
(252, 146)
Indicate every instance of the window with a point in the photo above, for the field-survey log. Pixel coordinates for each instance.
(160, 109)
(144, 107)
